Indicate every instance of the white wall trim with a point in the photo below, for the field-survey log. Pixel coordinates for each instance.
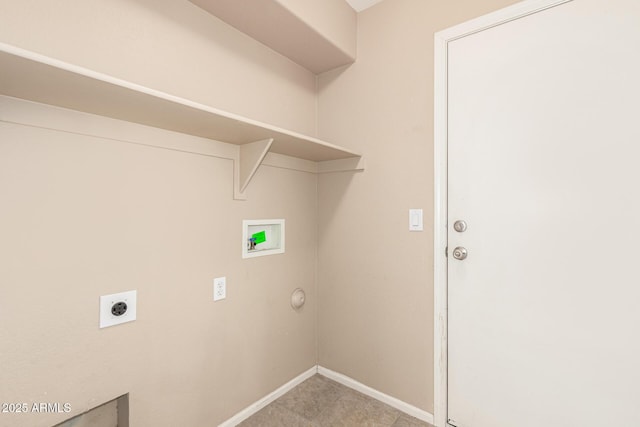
(499, 17)
(441, 41)
(337, 377)
(255, 407)
(378, 395)
(440, 233)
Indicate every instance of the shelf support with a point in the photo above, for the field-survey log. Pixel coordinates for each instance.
(350, 164)
(250, 157)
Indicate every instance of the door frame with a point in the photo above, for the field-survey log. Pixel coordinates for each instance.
(441, 41)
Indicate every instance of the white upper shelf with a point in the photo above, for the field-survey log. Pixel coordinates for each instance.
(318, 35)
(31, 76)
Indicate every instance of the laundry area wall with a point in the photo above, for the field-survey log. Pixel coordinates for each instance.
(93, 212)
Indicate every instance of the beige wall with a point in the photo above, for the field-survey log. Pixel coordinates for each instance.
(374, 276)
(84, 216)
(168, 45)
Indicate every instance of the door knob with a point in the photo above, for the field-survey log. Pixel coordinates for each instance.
(460, 253)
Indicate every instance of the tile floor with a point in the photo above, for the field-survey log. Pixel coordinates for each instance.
(321, 402)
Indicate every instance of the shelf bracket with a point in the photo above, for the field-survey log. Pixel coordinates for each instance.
(350, 164)
(250, 157)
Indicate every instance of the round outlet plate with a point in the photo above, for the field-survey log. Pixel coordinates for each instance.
(119, 308)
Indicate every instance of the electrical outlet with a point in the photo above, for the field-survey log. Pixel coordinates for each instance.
(117, 308)
(219, 288)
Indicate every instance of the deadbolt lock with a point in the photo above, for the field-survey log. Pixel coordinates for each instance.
(460, 226)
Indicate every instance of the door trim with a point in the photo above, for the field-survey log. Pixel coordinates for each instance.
(441, 41)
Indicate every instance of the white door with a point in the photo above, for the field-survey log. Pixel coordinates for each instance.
(544, 168)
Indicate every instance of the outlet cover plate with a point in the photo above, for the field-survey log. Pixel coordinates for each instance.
(108, 301)
(219, 288)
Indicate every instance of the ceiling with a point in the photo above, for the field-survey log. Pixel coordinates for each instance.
(360, 5)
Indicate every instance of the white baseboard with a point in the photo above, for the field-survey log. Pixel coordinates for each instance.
(342, 379)
(255, 407)
(378, 395)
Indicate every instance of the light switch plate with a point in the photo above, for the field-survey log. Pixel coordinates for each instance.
(415, 220)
